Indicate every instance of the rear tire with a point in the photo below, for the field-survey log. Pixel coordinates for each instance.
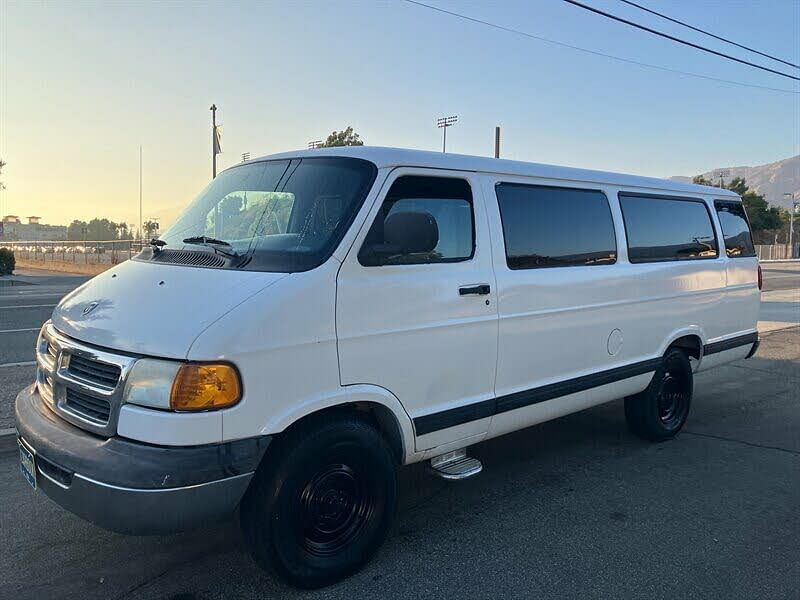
(660, 411)
(322, 502)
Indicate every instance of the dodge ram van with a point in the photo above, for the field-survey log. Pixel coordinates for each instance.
(314, 320)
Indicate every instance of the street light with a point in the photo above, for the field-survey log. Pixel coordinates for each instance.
(443, 123)
(722, 173)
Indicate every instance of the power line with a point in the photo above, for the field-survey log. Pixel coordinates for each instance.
(708, 33)
(678, 40)
(596, 52)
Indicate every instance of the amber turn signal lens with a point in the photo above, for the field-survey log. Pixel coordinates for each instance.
(205, 387)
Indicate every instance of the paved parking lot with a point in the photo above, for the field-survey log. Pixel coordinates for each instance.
(574, 507)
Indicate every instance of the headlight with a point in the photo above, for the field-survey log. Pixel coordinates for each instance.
(150, 382)
(171, 385)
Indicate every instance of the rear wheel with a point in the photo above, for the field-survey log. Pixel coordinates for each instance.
(659, 412)
(322, 503)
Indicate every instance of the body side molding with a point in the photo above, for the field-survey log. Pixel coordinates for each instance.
(487, 408)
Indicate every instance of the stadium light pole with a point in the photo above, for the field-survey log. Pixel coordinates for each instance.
(443, 123)
(140, 191)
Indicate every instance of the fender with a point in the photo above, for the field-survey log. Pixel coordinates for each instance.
(693, 330)
(348, 395)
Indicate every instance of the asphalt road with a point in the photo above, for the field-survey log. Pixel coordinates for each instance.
(574, 507)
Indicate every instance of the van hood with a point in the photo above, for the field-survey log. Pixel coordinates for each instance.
(154, 309)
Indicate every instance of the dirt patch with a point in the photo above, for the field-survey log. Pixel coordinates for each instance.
(65, 267)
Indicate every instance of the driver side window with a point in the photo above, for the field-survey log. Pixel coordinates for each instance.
(423, 220)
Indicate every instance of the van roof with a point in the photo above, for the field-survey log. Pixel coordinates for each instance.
(396, 157)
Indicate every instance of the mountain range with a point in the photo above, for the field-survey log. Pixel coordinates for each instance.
(771, 180)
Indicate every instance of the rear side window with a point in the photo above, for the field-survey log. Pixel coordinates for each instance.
(662, 228)
(735, 229)
(444, 206)
(546, 226)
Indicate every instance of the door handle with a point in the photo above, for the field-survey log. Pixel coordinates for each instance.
(478, 290)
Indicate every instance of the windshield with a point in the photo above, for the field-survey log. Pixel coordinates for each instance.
(287, 215)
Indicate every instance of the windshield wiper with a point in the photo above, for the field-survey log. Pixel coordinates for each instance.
(213, 243)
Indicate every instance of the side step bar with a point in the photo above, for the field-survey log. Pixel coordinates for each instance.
(455, 465)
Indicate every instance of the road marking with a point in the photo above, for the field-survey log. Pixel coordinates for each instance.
(18, 330)
(29, 306)
(27, 363)
(24, 295)
(9, 431)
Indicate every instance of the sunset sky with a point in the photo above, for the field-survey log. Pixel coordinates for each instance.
(84, 84)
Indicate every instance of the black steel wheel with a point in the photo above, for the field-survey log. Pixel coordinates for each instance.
(660, 411)
(322, 503)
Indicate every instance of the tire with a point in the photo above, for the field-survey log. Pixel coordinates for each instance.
(322, 502)
(659, 412)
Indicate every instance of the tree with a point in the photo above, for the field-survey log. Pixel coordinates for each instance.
(345, 137)
(150, 229)
(76, 230)
(763, 217)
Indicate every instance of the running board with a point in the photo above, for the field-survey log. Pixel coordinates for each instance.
(455, 465)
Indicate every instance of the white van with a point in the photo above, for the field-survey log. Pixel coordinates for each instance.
(316, 319)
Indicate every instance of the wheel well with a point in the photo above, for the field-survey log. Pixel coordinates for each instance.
(378, 415)
(692, 344)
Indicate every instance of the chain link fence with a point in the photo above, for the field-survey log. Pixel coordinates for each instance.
(80, 252)
(777, 251)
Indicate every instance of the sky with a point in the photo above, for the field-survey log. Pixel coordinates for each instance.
(84, 84)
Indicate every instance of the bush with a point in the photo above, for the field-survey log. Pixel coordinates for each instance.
(7, 261)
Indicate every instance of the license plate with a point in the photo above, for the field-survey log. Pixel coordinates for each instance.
(27, 464)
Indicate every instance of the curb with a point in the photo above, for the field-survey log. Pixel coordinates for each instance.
(780, 260)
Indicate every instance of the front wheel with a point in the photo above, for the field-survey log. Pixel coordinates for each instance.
(322, 503)
(659, 412)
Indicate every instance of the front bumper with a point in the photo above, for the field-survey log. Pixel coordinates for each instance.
(131, 487)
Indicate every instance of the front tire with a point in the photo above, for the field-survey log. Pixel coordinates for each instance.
(322, 503)
(660, 411)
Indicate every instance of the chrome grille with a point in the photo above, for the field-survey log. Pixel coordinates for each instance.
(81, 383)
(92, 408)
(94, 371)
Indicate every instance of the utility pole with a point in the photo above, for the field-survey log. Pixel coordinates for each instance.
(722, 173)
(497, 142)
(443, 123)
(793, 204)
(140, 190)
(214, 145)
(245, 156)
(314, 144)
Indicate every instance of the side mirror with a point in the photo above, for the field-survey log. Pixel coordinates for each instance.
(404, 233)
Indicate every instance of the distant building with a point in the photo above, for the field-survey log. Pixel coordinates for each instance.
(33, 230)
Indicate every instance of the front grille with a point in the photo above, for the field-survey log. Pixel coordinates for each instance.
(45, 383)
(94, 371)
(82, 384)
(96, 409)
